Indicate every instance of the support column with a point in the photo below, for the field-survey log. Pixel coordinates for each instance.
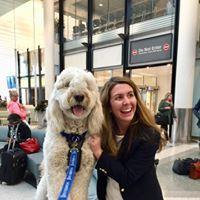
(49, 46)
(186, 56)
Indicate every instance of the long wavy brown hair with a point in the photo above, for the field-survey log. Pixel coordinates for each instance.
(142, 117)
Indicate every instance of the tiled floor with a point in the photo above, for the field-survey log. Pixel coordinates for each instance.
(175, 187)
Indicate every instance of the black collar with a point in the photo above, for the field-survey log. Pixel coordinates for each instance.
(74, 140)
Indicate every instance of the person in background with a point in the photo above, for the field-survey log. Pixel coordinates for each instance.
(3, 103)
(15, 107)
(23, 131)
(125, 152)
(196, 111)
(166, 109)
(18, 128)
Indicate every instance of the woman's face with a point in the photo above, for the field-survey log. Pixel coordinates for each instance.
(123, 103)
(169, 98)
(14, 97)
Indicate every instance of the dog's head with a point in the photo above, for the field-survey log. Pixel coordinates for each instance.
(75, 97)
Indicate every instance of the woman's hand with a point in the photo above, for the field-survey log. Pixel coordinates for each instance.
(22, 107)
(167, 108)
(95, 145)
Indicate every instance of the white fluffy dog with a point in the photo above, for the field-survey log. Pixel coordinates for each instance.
(74, 107)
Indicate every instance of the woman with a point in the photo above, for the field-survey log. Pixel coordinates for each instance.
(15, 107)
(166, 109)
(130, 140)
(21, 131)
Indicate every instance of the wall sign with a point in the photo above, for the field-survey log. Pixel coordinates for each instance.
(11, 82)
(150, 50)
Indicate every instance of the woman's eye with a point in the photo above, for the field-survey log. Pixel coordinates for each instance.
(131, 94)
(118, 98)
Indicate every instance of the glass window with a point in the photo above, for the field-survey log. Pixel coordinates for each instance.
(151, 81)
(23, 64)
(104, 75)
(24, 82)
(117, 72)
(42, 61)
(148, 9)
(163, 7)
(75, 19)
(33, 62)
(43, 81)
(107, 15)
(138, 79)
(154, 83)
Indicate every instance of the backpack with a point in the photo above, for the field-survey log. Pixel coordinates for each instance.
(182, 166)
(20, 128)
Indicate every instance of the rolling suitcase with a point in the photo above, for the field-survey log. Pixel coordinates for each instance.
(13, 163)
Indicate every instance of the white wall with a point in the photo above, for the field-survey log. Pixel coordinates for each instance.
(20, 29)
(7, 68)
(186, 53)
(76, 60)
(103, 57)
(109, 56)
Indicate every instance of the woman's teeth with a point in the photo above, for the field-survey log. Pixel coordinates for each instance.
(126, 110)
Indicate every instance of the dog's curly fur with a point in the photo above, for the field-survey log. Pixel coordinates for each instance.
(73, 87)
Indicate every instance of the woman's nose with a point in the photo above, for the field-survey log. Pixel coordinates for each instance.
(126, 100)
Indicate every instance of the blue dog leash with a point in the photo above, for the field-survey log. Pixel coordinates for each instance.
(75, 142)
(70, 173)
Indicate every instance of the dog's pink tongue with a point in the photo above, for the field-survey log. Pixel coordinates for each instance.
(77, 110)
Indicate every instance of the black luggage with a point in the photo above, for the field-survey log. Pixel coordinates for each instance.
(13, 163)
(13, 166)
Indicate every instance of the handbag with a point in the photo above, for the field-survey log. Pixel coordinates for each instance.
(30, 145)
(161, 119)
(194, 171)
(182, 166)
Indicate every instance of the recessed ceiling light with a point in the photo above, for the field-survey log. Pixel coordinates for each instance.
(100, 5)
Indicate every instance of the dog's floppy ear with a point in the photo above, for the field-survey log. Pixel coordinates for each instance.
(95, 118)
(54, 116)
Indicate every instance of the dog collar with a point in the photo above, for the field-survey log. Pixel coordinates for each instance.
(74, 140)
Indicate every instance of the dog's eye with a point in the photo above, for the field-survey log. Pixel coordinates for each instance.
(67, 84)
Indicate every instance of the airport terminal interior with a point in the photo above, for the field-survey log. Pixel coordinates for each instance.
(149, 41)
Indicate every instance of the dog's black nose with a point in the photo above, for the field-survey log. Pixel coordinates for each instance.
(79, 98)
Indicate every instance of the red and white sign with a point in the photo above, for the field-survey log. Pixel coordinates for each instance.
(134, 52)
(151, 50)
